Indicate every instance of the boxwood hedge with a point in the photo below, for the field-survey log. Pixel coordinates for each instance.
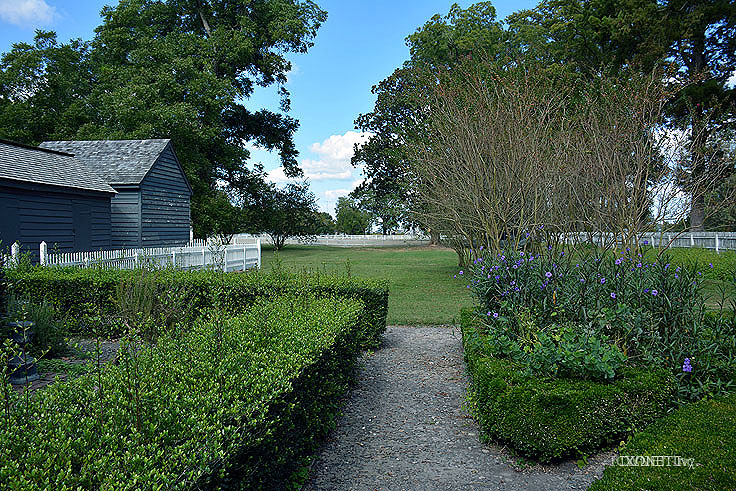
(551, 418)
(85, 295)
(703, 432)
(227, 403)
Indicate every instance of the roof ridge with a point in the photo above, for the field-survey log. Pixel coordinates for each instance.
(31, 147)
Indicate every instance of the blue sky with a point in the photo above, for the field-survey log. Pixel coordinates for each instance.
(361, 43)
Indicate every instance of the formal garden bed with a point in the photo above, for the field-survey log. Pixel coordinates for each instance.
(216, 379)
(571, 352)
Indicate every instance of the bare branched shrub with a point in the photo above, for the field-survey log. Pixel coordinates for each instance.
(515, 157)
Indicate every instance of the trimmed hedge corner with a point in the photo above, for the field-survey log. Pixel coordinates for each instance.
(547, 418)
(703, 431)
(85, 295)
(226, 403)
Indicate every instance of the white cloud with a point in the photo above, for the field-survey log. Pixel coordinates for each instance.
(334, 157)
(339, 147)
(333, 161)
(277, 176)
(27, 13)
(732, 79)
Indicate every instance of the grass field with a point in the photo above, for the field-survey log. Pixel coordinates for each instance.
(421, 284)
(422, 290)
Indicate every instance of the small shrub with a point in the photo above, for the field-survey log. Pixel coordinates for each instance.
(224, 403)
(49, 333)
(548, 418)
(704, 431)
(85, 297)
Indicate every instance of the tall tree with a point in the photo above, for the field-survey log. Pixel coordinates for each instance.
(284, 212)
(349, 218)
(589, 37)
(397, 118)
(180, 69)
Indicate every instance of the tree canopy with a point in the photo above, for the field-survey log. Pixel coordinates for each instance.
(179, 69)
(587, 40)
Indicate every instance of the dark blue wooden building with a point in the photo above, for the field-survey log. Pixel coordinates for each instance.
(46, 195)
(151, 206)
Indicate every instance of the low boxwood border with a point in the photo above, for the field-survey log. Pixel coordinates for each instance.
(82, 295)
(703, 431)
(227, 403)
(553, 418)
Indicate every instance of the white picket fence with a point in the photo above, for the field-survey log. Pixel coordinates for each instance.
(367, 240)
(197, 255)
(717, 241)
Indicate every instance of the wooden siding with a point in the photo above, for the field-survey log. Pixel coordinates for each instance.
(126, 218)
(165, 204)
(66, 221)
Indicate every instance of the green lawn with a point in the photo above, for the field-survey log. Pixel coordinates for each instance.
(422, 289)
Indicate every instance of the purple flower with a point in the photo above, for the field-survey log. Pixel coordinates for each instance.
(618, 261)
(711, 265)
(454, 276)
(488, 314)
(646, 242)
(603, 280)
(613, 295)
(687, 367)
(495, 315)
(461, 271)
(654, 293)
(548, 274)
(582, 280)
(646, 290)
(638, 265)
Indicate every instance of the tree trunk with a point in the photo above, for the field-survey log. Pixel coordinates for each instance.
(434, 237)
(697, 213)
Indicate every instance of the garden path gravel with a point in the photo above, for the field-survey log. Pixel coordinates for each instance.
(403, 427)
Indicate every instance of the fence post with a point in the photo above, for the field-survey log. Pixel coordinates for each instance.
(173, 258)
(692, 239)
(245, 248)
(86, 261)
(15, 253)
(204, 257)
(258, 247)
(224, 260)
(135, 259)
(43, 253)
(717, 242)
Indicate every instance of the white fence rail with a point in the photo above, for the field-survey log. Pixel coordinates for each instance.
(717, 241)
(196, 255)
(345, 240)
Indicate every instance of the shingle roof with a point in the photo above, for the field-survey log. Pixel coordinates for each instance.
(115, 161)
(40, 166)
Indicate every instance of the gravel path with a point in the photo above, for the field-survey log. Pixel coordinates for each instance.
(403, 427)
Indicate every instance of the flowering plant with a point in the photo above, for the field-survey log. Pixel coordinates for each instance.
(654, 312)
